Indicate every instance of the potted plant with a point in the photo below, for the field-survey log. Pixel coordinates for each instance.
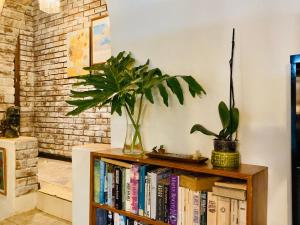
(125, 86)
(225, 152)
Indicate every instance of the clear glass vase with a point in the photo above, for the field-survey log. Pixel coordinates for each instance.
(133, 141)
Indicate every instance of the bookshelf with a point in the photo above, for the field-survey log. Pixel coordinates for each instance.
(255, 176)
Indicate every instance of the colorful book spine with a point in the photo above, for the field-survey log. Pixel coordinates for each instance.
(96, 180)
(173, 210)
(109, 186)
(127, 190)
(116, 219)
(147, 196)
(101, 217)
(102, 182)
(123, 189)
(118, 188)
(134, 188)
(113, 186)
(122, 220)
(203, 208)
(196, 207)
(141, 195)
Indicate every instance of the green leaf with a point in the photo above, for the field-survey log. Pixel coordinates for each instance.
(148, 94)
(202, 129)
(224, 114)
(194, 86)
(235, 120)
(164, 94)
(175, 87)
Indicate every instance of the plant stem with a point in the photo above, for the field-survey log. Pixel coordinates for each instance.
(140, 109)
(136, 128)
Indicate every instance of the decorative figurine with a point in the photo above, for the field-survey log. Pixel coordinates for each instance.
(10, 125)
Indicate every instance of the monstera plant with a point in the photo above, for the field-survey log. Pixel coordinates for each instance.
(125, 86)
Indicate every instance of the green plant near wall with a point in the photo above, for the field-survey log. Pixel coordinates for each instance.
(124, 85)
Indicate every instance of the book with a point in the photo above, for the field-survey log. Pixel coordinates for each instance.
(180, 206)
(134, 188)
(110, 185)
(127, 190)
(197, 204)
(97, 181)
(160, 202)
(110, 218)
(197, 183)
(148, 196)
(101, 217)
(116, 219)
(232, 184)
(117, 163)
(102, 182)
(223, 212)
(203, 209)
(234, 212)
(230, 193)
(242, 212)
(118, 188)
(130, 221)
(166, 203)
(173, 193)
(122, 220)
(142, 184)
(156, 175)
(211, 209)
(123, 188)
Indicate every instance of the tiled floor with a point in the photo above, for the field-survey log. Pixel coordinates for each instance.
(55, 177)
(34, 217)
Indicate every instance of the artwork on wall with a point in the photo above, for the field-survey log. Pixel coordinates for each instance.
(78, 45)
(100, 40)
(2, 171)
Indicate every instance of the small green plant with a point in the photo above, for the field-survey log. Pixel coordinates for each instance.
(230, 123)
(124, 85)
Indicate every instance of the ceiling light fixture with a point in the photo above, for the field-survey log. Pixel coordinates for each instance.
(50, 6)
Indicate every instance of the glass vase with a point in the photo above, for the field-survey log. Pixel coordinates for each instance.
(133, 140)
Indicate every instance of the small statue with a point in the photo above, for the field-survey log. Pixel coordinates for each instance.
(10, 125)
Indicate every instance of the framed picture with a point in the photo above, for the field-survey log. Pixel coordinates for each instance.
(78, 45)
(2, 171)
(100, 40)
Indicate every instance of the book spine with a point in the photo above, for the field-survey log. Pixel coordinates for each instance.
(122, 220)
(113, 186)
(223, 213)
(242, 212)
(116, 219)
(106, 184)
(102, 182)
(196, 208)
(118, 188)
(166, 204)
(101, 217)
(234, 212)
(127, 190)
(147, 196)
(211, 209)
(153, 193)
(123, 186)
(110, 218)
(203, 208)
(134, 188)
(141, 195)
(173, 210)
(96, 180)
(109, 188)
(160, 202)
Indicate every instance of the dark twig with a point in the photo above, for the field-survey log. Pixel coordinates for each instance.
(231, 98)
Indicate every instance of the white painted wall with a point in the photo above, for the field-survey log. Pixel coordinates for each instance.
(193, 37)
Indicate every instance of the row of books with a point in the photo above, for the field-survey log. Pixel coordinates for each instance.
(174, 197)
(104, 217)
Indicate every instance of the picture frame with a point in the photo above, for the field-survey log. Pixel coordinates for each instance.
(78, 51)
(100, 40)
(3, 182)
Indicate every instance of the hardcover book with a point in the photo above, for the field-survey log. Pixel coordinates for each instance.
(203, 208)
(234, 212)
(197, 203)
(128, 190)
(118, 188)
(242, 212)
(230, 193)
(223, 213)
(102, 182)
(134, 188)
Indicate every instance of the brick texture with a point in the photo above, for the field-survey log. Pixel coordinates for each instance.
(44, 83)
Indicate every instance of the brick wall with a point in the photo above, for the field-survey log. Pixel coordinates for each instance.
(44, 85)
(57, 133)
